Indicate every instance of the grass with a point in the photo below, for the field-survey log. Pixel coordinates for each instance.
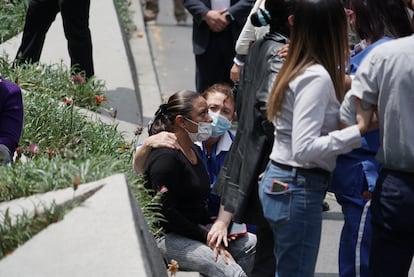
(61, 147)
(12, 15)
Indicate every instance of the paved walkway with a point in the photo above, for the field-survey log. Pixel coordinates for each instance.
(131, 88)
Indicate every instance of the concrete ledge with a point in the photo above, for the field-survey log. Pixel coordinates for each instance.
(99, 238)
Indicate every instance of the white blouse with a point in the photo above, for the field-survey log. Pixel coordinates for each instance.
(306, 132)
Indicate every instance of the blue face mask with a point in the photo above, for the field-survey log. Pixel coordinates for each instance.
(220, 124)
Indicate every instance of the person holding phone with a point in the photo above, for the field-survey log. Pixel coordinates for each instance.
(303, 106)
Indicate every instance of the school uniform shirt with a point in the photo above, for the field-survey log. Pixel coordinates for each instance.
(213, 164)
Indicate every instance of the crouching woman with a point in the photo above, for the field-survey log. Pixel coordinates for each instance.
(180, 176)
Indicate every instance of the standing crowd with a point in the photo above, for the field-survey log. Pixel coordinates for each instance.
(315, 112)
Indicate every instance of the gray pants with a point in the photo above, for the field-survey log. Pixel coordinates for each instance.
(193, 255)
(179, 9)
(5, 155)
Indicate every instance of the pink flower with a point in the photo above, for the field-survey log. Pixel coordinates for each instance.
(77, 79)
(34, 148)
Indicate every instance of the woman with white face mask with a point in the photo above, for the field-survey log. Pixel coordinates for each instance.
(180, 176)
(221, 106)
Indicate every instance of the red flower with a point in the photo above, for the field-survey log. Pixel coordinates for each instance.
(99, 99)
(67, 101)
(51, 153)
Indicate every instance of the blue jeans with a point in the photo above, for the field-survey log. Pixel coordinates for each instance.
(392, 207)
(295, 216)
(193, 255)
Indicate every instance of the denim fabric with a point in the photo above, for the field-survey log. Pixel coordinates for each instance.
(295, 216)
(392, 207)
(193, 255)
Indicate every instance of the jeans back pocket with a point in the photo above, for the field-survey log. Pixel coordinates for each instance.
(275, 202)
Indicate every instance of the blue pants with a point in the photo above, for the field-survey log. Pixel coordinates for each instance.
(355, 241)
(295, 216)
(392, 224)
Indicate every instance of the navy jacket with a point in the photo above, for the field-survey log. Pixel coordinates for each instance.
(239, 9)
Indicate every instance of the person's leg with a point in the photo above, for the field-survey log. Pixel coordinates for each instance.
(179, 11)
(243, 250)
(295, 216)
(75, 15)
(354, 245)
(151, 10)
(5, 155)
(193, 255)
(39, 17)
(264, 261)
(214, 65)
(392, 224)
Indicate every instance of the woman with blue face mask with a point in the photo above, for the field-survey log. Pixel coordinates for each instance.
(221, 107)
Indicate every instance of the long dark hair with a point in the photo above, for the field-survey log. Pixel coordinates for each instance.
(378, 18)
(275, 15)
(180, 103)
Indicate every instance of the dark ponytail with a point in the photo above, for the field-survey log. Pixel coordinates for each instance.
(180, 103)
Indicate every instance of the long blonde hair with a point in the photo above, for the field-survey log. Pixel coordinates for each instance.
(319, 35)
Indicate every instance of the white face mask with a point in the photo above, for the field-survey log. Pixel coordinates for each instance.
(203, 132)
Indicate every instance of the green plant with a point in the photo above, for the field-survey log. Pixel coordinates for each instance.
(59, 147)
(150, 204)
(124, 16)
(12, 15)
(14, 231)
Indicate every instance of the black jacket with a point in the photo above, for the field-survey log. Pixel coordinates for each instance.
(238, 178)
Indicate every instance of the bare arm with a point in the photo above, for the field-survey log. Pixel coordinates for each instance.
(163, 139)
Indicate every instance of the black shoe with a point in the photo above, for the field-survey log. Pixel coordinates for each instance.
(325, 206)
(182, 20)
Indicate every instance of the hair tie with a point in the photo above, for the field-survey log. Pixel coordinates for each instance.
(264, 16)
(162, 110)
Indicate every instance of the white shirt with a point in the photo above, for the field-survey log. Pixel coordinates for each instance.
(306, 132)
(250, 33)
